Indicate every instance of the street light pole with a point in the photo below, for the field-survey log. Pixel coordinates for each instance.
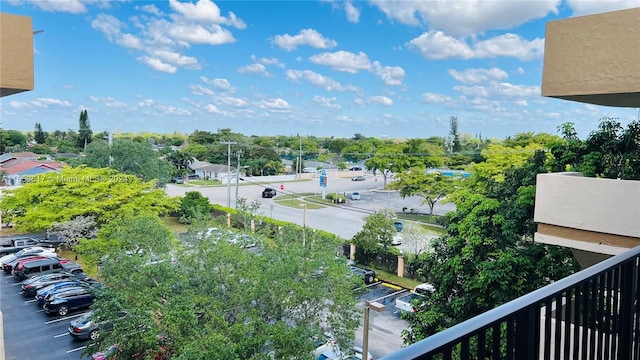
(228, 143)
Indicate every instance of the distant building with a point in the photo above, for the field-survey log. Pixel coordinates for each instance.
(17, 168)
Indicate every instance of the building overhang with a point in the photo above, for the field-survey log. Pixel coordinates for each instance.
(16, 54)
(594, 59)
(595, 217)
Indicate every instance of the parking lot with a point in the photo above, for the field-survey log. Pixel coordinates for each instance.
(385, 328)
(29, 333)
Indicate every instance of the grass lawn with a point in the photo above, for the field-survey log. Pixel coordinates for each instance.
(396, 280)
(174, 225)
(296, 201)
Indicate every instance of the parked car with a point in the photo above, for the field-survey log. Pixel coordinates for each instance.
(63, 285)
(30, 267)
(368, 275)
(398, 225)
(269, 192)
(8, 261)
(396, 239)
(193, 177)
(330, 351)
(177, 180)
(62, 303)
(31, 286)
(358, 178)
(85, 328)
(355, 195)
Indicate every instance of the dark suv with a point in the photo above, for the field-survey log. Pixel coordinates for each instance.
(74, 298)
(269, 192)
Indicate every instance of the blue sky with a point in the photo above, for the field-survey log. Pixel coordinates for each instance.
(381, 68)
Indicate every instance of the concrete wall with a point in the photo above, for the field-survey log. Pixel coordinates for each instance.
(594, 216)
(594, 59)
(16, 54)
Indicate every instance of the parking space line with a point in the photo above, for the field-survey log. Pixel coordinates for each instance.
(60, 335)
(16, 284)
(63, 318)
(76, 349)
(29, 301)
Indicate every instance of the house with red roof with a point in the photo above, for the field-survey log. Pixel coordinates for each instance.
(17, 168)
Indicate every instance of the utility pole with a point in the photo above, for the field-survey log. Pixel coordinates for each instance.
(228, 143)
(239, 152)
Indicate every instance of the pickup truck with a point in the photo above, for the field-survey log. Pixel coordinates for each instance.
(16, 245)
(411, 301)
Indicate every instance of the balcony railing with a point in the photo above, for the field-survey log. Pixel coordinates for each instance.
(593, 314)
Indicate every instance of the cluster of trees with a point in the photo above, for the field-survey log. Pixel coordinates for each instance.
(488, 256)
(199, 298)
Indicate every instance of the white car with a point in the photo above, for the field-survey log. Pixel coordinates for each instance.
(355, 195)
(329, 351)
(33, 250)
(396, 239)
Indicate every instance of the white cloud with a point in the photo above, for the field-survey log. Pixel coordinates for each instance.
(108, 102)
(504, 91)
(305, 37)
(164, 38)
(433, 98)
(108, 25)
(201, 90)
(382, 100)
(172, 110)
(391, 75)
(520, 70)
(157, 64)
(343, 61)
(205, 12)
(329, 103)
(353, 13)
(474, 76)
(230, 101)
(318, 80)
(277, 104)
(467, 17)
(584, 7)
(258, 69)
(43, 103)
(347, 61)
(198, 34)
(436, 45)
(146, 102)
(265, 61)
(70, 6)
(151, 9)
(222, 84)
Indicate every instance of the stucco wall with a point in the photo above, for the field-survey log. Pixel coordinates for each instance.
(16, 54)
(594, 58)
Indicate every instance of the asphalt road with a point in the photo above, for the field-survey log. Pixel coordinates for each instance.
(344, 221)
(29, 333)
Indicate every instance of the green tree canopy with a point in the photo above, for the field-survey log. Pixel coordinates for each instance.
(218, 300)
(488, 256)
(104, 193)
(376, 234)
(129, 157)
(430, 187)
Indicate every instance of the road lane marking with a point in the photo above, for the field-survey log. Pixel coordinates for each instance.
(29, 301)
(63, 318)
(76, 349)
(61, 335)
